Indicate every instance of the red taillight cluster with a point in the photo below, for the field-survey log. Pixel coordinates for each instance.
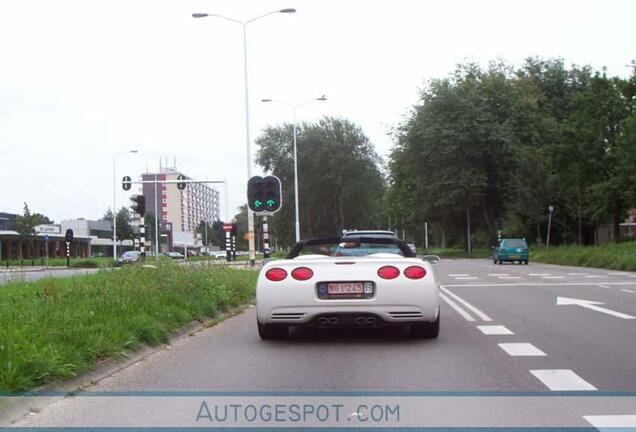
(390, 272)
(415, 272)
(278, 274)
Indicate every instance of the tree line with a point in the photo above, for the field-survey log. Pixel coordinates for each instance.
(491, 146)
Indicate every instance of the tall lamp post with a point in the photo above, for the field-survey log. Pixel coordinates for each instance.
(550, 210)
(115, 200)
(244, 24)
(293, 107)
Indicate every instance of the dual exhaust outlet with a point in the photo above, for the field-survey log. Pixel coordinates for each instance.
(361, 321)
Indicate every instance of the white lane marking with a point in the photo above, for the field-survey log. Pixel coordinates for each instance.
(592, 305)
(594, 276)
(631, 275)
(552, 277)
(618, 274)
(498, 274)
(577, 274)
(457, 308)
(485, 284)
(494, 330)
(458, 274)
(470, 307)
(466, 277)
(628, 290)
(561, 379)
(509, 277)
(604, 286)
(539, 274)
(611, 421)
(521, 349)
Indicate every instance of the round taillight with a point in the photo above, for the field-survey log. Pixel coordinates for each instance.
(415, 272)
(388, 272)
(276, 274)
(302, 273)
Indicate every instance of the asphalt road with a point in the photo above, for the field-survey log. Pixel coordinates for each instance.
(501, 331)
(29, 276)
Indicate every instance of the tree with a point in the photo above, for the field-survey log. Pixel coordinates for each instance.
(340, 181)
(215, 234)
(124, 228)
(25, 225)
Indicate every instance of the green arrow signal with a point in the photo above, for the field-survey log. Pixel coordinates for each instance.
(258, 203)
(270, 203)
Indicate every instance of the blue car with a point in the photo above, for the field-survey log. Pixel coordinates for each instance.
(513, 250)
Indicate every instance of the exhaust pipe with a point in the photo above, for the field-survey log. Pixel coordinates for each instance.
(323, 321)
(371, 320)
(361, 321)
(333, 320)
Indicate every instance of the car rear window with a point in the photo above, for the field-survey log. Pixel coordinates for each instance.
(514, 243)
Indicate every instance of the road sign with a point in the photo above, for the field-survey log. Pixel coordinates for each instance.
(125, 183)
(227, 227)
(264, 194)
(68, 236)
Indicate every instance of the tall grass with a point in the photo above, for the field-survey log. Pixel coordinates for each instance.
(95, 262)
(620, 256)
(55, 329)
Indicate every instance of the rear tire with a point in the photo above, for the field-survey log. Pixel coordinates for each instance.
(273, 331)
(425, 330)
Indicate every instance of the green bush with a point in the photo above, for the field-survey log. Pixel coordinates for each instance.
(620, 256)
(57, 328)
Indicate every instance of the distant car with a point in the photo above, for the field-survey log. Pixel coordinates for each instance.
(412, 246)
(375, 282)
(129, 257)
(175, 255)
(513, 250)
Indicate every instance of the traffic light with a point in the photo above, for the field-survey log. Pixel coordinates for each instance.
(125, 183)
(139, 204)
(181, 185)
(264, 195)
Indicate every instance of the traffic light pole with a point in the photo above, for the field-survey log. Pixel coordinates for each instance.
(265, 238)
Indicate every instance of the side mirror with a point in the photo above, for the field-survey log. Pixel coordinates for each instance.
(433, 259)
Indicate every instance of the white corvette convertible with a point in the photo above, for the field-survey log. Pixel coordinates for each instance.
(351, 282)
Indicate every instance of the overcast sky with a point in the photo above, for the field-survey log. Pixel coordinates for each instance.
(83, 80)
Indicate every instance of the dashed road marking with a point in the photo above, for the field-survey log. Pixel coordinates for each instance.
(577, 274)
(612, 421)
(523, 283)
(605, 286)
(470, 307)
(498, 274)
(539, 274)
(509, 277)
(457, 308)
(465, 277)
(618, 274)
(628, 290)
(458, 274)
(521, 349)
(494, 330)
(552, 277)
(561, 379)
(594, 276)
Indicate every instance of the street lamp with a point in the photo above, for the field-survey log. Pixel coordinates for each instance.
(550, 210)
(115, 200)
(244, 24)
(293, 107)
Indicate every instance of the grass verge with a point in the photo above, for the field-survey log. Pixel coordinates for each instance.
(456, 253)
(620, 256)
(96, 262)
(57, 328)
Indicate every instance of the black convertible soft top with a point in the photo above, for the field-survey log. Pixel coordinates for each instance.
(298, 247)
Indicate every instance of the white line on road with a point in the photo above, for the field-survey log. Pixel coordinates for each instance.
(470, 307)
(460, 275)
(539, 274)
(611, 421)
(577, 274)
(561, 379)
(494, 330)
(592, 305)
(628, 290)
(552, 277)
(466, 277)
(594, 276)
(604, 286)
(457, 308)
(521, 349)
(618, 274)
(498, 274)
(509, 277)
(485, 284)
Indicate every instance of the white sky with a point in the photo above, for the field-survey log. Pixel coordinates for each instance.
(82, 80)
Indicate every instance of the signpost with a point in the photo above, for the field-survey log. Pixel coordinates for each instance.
(68, 237)
(46, 249)
(227, 227)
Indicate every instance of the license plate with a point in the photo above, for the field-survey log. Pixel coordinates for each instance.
(514, 256)
(345, 288)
